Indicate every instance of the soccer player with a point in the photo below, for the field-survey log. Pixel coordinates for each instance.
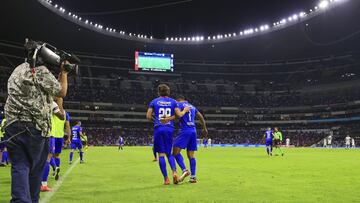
(325, 142)
(84, 141)
(353, 143)
(57, 116)
(3, 151)
(287, 142)
(329, 140)
(277, 141)
(155, 155)
(269, 141)
(205, 142)
(57, 131)
(163, 107)
(76, 141)
(121, 143)
(347, 142)
(187, 138)
(209, 142)
(154, 152)
(44, 181)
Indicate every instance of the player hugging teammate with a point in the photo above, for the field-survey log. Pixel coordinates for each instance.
(165, 110)
(273, 139)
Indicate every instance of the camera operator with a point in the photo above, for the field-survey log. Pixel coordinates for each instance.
(31, 90)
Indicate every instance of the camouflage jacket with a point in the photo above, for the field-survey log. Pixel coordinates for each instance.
(30, 96)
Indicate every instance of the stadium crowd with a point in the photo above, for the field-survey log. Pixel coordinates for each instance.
(140, 136)
(109, 87)
(203, 97)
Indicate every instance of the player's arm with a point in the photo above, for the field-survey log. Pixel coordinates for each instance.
(149, 114)
(178, 114)
(167, 119)
(68, 130)
(81, 133)
(57, 108)
(203, 123)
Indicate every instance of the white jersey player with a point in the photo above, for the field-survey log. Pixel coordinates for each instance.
(209, 142)
(287, 142)
(325, 142)
(329, 141)
(353, 143)
(347, 142)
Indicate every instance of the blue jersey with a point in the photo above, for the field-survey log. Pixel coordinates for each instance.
(188, 120)
(269, 134)
(76, 132)
(121, 140)
(163, 107)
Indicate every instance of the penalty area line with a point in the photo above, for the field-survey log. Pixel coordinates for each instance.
(58, 183)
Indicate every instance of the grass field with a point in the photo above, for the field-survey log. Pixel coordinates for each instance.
(224, 175)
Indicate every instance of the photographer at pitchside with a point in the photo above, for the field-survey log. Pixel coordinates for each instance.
(31, 89)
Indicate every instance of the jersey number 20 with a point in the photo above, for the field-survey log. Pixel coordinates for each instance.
(164, 112)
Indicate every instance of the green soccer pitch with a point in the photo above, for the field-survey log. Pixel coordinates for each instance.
(224, 175)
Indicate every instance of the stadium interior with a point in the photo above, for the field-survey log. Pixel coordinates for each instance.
(296, 78)
(300, 73)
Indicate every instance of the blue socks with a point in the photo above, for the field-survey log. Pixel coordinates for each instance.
(193, 167)
(4, 157)
(154, 153)
(52, 163)
(171, 161)
(46, 172)
(180, 160)
(57, 162)
(162, 164)
(269, 150)
(71, 156)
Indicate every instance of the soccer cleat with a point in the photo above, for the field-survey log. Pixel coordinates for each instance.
(167, 181)
(57, 171)
(2, 165)
(45, 188)
(155, 160)
(70, 162)
(192, 180)
(185, 174)
(82, 162)
(175, 179)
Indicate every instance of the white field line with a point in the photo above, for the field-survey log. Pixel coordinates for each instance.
(58, 184)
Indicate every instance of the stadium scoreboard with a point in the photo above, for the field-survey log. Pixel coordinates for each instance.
(146, 61)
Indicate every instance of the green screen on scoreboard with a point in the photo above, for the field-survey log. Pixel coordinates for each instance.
(154, 61)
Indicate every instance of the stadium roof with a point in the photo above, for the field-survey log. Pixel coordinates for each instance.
(334, 32)
(165, 18)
